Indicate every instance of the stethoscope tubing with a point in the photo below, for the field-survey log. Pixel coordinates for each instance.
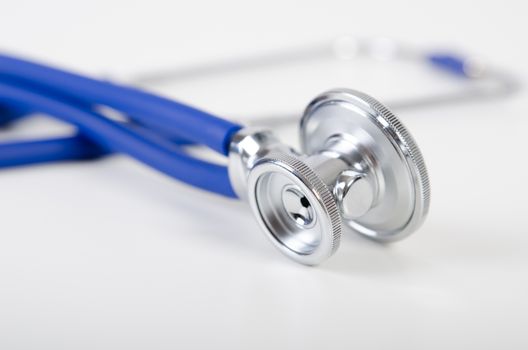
(148, 114)
(147, 147)
(185, 121)
(58, 149)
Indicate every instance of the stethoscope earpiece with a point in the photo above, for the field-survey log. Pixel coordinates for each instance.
(361, 171)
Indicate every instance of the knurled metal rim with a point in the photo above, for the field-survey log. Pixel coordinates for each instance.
(300, 170)
(399, 135)
(410, 146)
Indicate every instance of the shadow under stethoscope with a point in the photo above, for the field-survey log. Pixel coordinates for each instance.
(192, 211)
(360, 256)
(230, 225)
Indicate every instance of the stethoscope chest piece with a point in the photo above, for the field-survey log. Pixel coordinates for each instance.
(360, 171)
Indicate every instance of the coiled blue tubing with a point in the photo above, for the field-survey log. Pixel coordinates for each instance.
(79, 90)
(161, 126)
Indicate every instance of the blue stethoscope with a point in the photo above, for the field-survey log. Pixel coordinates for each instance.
(360, 169)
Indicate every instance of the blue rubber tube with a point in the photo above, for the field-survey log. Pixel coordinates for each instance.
(48, 150)
(9, 115)
(448, 62)
(150, 110)
(52, 150)
(44, 152)
(148, 148)
(69, 148)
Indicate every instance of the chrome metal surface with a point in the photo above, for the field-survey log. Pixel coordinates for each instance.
(361, 171)
(298, 207)
(374, 143)
(354, 194)
(294, 207)
(247, 146)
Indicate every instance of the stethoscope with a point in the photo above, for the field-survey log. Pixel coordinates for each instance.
(359, 170)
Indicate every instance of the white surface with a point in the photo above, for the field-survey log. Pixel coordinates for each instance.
(111, 255)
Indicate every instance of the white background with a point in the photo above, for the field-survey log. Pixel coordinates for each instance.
(112, 255)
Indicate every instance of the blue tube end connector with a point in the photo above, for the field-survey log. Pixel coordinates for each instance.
(449, 62)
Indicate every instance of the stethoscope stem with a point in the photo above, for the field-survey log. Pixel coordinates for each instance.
(478, 81)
